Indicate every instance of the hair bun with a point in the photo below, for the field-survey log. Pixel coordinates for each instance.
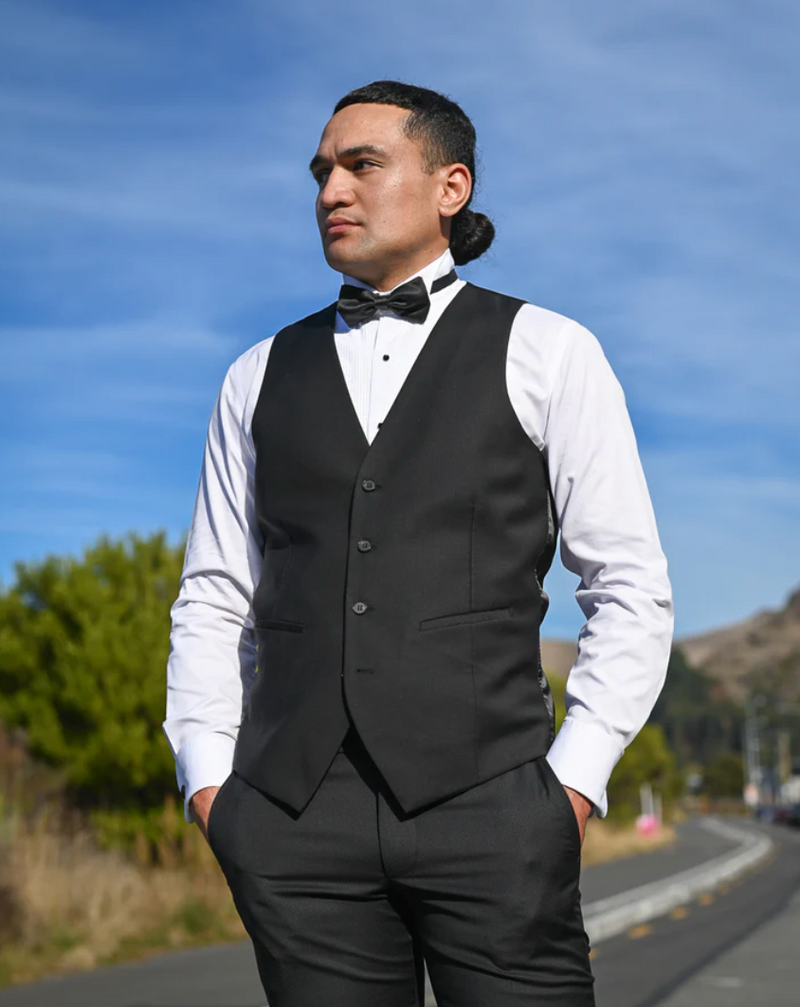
(471, 234)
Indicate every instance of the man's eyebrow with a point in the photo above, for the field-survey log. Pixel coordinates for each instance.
(362, 148)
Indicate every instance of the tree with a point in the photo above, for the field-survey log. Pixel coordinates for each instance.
(83, 650)
(699, 721)
(724, 777)
(647, 759)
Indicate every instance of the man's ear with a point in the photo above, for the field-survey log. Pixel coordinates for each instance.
(456, 188)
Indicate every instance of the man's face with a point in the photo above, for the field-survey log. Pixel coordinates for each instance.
(377, 209)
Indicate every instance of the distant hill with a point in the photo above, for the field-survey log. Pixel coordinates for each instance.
(764, 647)
(558, 656)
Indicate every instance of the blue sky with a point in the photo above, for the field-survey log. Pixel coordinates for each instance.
(156, 219)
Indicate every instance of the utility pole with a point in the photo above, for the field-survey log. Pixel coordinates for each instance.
(752, 751)
(784, 766)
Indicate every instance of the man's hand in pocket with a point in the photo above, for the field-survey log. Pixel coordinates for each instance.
(582, 807)
(200, 807)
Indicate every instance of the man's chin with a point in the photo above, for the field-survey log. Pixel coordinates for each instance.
(341, 255)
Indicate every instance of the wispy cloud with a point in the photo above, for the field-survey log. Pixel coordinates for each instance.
(23, 348)
(130, 373)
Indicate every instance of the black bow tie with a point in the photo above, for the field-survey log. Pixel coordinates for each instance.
(410, 300)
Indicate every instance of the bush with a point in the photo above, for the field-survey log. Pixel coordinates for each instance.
(83, 650)
(724, 777)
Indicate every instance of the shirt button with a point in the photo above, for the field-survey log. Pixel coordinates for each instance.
(360, 608)
(364, 545)
(369, 485)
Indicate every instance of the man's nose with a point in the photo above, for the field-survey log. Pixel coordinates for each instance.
(336, 191)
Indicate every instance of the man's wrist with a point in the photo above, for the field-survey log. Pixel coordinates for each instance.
(585, 802)
(206, 760)
(583, 756)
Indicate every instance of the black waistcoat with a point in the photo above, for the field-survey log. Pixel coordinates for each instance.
(402, 580)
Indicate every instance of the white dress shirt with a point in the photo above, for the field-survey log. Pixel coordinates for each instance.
(571, 405)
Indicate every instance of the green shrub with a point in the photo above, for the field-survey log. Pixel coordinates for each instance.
(83, 650)
(724, 777)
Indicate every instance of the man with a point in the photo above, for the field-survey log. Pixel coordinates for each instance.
(381, 493)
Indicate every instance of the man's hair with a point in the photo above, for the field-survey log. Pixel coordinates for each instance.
(446, 136)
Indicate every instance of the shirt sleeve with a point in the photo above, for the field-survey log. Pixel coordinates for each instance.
(212, 656)
(610, 540)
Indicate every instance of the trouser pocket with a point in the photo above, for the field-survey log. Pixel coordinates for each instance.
(214, 813)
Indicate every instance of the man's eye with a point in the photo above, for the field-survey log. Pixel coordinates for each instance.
(321, 177)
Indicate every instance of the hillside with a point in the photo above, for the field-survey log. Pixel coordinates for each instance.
(767, 644)
(764, 647)
(558, 656)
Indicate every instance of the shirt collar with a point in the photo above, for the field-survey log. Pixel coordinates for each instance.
(439, 267)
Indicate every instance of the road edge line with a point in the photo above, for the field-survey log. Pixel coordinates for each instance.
(612, 916)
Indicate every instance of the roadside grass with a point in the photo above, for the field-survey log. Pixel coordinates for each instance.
(606, 841)
(67, 904)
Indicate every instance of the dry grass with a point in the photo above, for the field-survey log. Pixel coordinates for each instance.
(606, 841)
(66, 904)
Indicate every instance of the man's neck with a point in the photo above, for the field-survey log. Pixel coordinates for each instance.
(390, 279)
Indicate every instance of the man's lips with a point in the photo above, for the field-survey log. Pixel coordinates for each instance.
(337, 224)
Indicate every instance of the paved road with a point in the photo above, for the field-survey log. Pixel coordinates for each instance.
(696, 845)
(630, 972)
(221, 976)
(652, 964)
(763, 968)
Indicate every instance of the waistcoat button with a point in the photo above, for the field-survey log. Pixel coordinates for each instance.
(364, 545)
(360, 608)
(368, 485)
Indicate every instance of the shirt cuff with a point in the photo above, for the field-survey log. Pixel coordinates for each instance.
(205, 760)
(583, 757)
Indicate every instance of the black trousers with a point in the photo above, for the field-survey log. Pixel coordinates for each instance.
(343, 901)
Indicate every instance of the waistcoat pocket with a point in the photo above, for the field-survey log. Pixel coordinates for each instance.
(283, 625)
(459, 618)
